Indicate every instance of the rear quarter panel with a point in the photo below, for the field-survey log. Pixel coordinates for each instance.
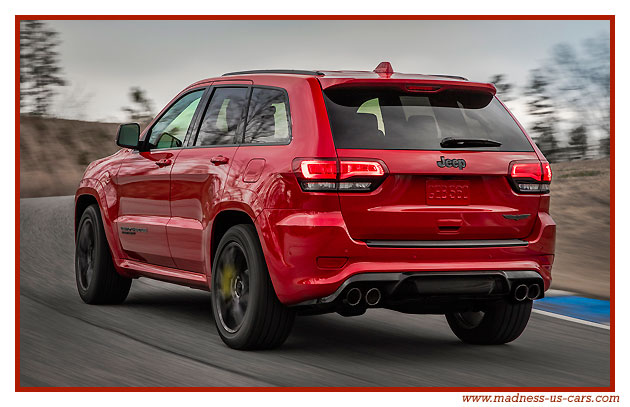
(276, 188)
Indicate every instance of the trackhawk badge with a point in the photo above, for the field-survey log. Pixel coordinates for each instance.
(132, 231)
(451, 163)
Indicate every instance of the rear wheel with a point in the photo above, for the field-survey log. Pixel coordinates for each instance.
(97, 280)
(247, 313)
(500, 322)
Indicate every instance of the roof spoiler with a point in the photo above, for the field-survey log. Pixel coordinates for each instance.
(413, 85)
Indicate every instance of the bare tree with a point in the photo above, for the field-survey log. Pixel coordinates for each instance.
(40, 72)
(581, 84)
(504, 88)
(604, 145)
(142, 109)
(540, 106)
(578, 142)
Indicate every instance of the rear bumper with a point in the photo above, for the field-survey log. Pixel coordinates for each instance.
(458, 284)
(294, 240)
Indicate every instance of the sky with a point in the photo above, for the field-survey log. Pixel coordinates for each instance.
(101, 60)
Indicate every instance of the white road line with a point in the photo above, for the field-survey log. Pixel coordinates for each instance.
(571, 319)
(558, 293)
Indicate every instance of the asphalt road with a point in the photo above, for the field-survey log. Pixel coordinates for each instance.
(163, 335)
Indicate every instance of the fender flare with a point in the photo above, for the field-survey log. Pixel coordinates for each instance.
(108, 211)
(244, 208)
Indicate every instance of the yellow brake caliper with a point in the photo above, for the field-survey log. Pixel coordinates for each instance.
(227, 277)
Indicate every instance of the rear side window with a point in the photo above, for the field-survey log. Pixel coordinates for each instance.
(268, 117)
(223, 117)
(394, 120)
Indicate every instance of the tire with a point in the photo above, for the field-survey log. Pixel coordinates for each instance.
(97, 280)
(501, 322)
(246, 311)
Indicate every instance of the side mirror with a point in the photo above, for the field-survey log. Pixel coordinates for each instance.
(128, 135)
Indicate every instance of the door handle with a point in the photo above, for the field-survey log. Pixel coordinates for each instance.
(163, 162)
(219, 159)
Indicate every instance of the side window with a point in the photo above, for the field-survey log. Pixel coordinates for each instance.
(171, 129)
(223, 117)
(268, 117)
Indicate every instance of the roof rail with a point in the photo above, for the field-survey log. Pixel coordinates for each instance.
(452, 77)
(278, 71)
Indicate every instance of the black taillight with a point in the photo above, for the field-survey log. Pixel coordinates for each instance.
(338, 175)
(530, 177)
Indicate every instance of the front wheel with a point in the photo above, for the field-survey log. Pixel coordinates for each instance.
(98, 281)
(247, 313)
(500, 322)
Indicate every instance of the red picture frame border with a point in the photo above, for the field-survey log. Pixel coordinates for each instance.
(610, 18)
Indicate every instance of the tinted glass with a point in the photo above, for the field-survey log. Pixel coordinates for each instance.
(223, 117)
(393, 120)
(268, 117)
(171, 129)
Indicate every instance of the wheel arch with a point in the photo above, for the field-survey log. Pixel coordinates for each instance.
(238, 215)
(223, 221)
(81, 203)
(91, 192)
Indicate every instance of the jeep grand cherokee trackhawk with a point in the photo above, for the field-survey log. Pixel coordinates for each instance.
(290, 192)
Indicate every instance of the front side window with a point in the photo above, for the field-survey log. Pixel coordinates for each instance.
(223, 117)
(268, 117)
(170, 130)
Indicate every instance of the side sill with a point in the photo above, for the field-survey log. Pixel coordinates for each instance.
(167, 274)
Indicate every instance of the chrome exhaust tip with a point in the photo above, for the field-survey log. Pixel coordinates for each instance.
(373, 296)
(520, 293)
(353, 297)
(533, 291)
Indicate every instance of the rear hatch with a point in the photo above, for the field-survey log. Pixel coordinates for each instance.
(447, 153)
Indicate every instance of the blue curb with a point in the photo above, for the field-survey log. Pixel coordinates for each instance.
(588, 309)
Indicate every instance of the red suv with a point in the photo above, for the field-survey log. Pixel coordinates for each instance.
(302, 192)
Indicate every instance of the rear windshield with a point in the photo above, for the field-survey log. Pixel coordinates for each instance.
(389, 119)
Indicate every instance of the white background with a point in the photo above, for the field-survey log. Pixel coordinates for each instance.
(208, 7)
